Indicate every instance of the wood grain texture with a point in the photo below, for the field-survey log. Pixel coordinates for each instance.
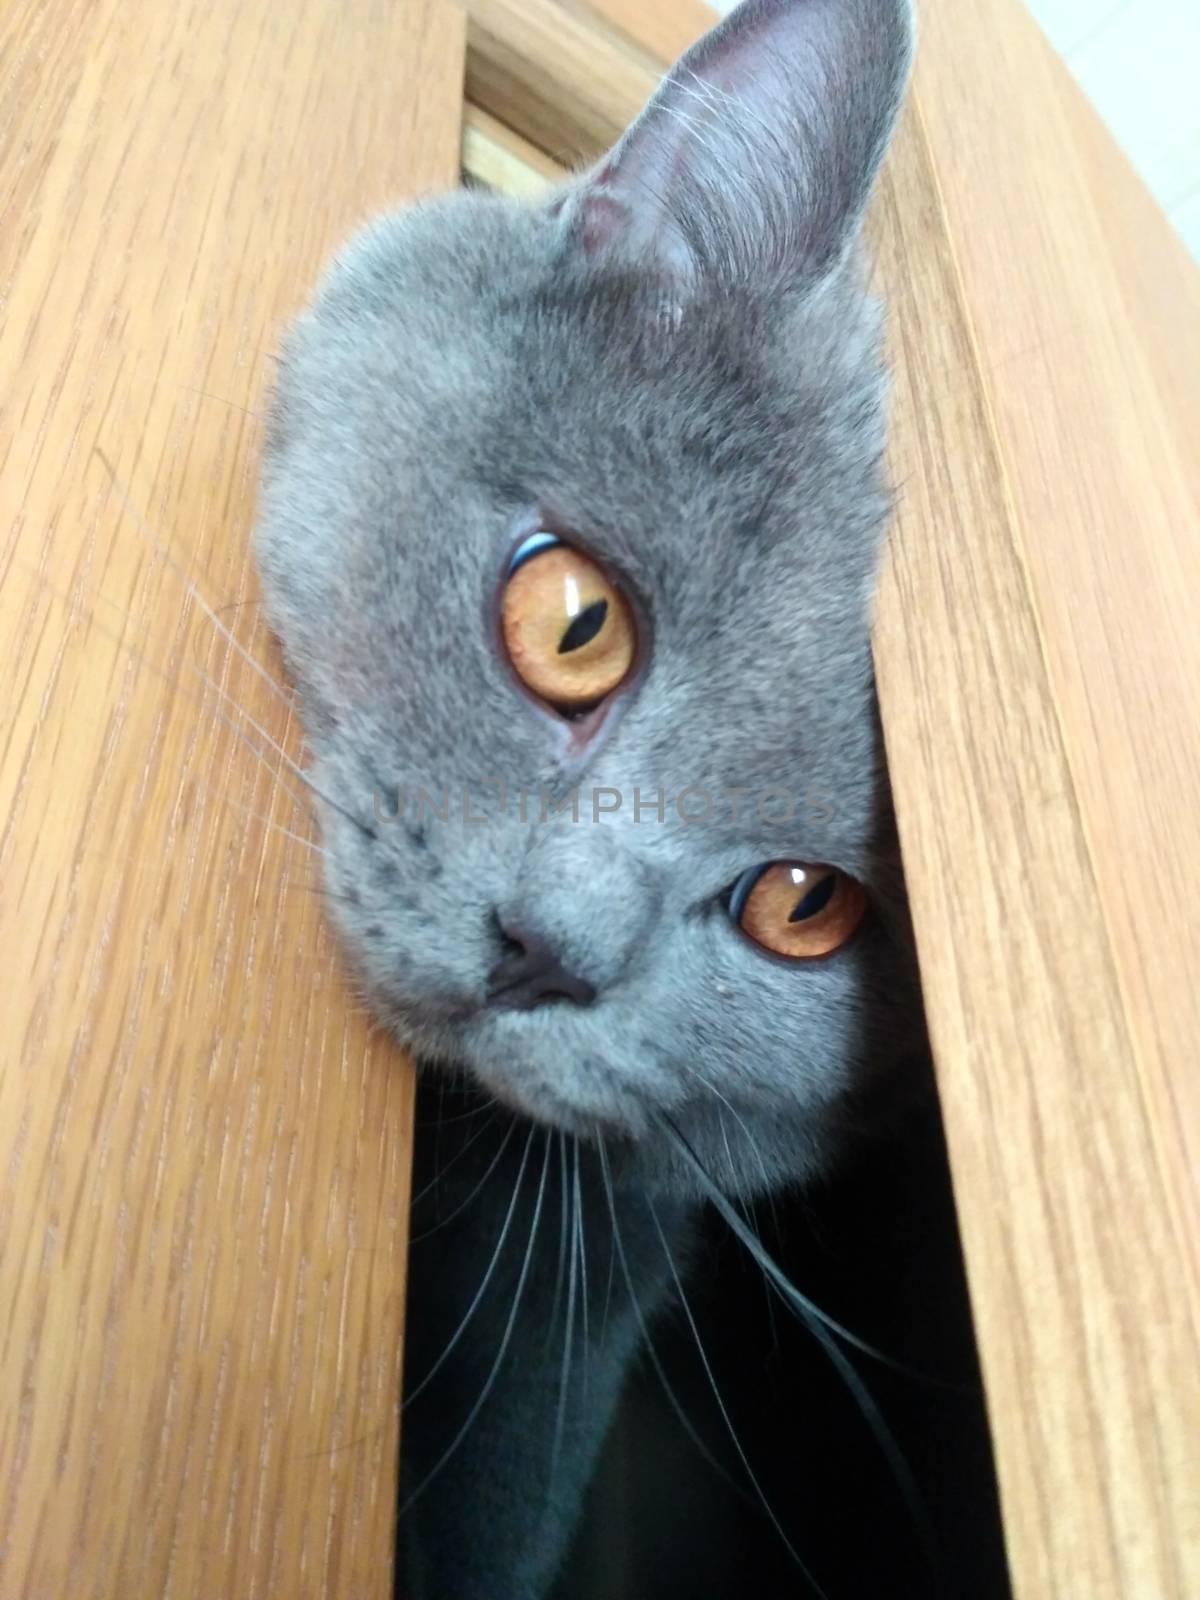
(203, 1154)
(561, 82)
(500, 159)
(1092, 374)
(1038, 660)
(1084, 1333)
(661, 30)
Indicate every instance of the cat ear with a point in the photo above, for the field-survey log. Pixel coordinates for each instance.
(754, 160)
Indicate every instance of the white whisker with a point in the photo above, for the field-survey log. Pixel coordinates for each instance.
(418, 1238)
(482, 1289)
(181, 573)
(505, 1338)
(721, 1406)
(457, 1156)
(583, 1278)
(644, 1330)
(257, 816)
(568, 1336)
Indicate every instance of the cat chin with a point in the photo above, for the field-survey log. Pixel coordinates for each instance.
(554, 1069)
(523, 1064)
(525, 1082)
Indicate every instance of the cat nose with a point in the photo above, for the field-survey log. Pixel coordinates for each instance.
(531, 973)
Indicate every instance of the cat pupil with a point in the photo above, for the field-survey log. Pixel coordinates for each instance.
(817, 898)
(584, 627)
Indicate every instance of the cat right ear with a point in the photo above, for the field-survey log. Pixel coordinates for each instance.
(752, 163)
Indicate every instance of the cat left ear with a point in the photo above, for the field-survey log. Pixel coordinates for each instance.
(754, 160)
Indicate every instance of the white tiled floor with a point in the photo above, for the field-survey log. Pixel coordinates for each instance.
(1139, 62)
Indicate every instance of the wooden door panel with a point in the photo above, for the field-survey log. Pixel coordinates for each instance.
(203, 1177)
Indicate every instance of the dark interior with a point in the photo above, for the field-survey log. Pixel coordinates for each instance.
(878, 1250)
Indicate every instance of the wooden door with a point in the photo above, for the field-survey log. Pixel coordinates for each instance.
(205, 1149)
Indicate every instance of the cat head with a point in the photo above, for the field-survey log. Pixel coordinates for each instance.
(569, 518)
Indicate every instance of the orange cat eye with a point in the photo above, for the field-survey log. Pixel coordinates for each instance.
(568, 629)
(798, 909)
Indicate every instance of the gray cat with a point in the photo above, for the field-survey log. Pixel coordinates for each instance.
(569, 520)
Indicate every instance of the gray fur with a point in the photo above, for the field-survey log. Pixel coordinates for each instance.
(675, 362)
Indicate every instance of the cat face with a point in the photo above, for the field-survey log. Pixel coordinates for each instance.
(568, 526)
